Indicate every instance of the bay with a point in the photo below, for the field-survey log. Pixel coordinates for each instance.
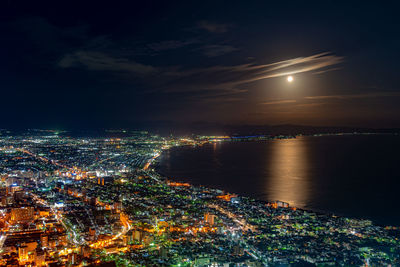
(350, 175)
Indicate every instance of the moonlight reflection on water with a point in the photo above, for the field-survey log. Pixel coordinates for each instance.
(287, 172)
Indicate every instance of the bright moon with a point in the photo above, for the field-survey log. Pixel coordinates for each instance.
(290, 79)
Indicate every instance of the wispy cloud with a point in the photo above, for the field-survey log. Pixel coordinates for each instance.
(309, 105)
(233, 76)
(296, 65)
(278, 102)
(319, 100)
(326, 70)
(353, 96)
(102, 62)
(212, 26)
(210, 79)
(170, 44)
(218, 50)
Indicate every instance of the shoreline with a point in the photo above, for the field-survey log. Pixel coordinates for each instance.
(155, 161)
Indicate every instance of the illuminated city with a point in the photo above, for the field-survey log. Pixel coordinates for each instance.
(149, 133)
(86, 201)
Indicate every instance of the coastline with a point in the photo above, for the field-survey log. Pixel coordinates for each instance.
(155, 164)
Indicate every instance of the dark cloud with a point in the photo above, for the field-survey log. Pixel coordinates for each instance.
(46, 36)
(170, 44)
(97, 61)
(151, 60)
(212, 26)
(218, 50)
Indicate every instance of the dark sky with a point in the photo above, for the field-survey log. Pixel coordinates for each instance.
(125, 63)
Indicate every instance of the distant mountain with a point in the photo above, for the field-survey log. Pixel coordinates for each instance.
(206, 128)
(289, 129)
(166, 128)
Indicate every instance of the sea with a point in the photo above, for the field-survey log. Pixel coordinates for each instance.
(356, 176)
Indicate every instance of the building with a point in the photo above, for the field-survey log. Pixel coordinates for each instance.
(238, 251)
(137, 235)
(93, 201)
(40, 257)
(209, 218)
(100, 181)
(44, 240)
(118, 205)
(27, 252)
(92, 233)
(85, 251)
(22, 214)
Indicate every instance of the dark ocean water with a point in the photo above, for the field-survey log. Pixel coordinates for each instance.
(354, 176)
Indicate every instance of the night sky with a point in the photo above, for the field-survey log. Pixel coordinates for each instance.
(89, 64)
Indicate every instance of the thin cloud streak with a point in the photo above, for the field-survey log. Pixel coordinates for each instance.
(305, 100)
(212, 26)
(178, 79)
(278, 102)
(225, 77)
(353, 96)
(301, 64)
(218, 50)
(102, 62)
(170, 44)
(325, 71)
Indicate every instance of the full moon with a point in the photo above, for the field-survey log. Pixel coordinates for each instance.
(290, 79)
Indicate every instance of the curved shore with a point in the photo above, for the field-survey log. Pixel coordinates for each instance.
(185, 161)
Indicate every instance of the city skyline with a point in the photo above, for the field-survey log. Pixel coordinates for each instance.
(102, 201)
